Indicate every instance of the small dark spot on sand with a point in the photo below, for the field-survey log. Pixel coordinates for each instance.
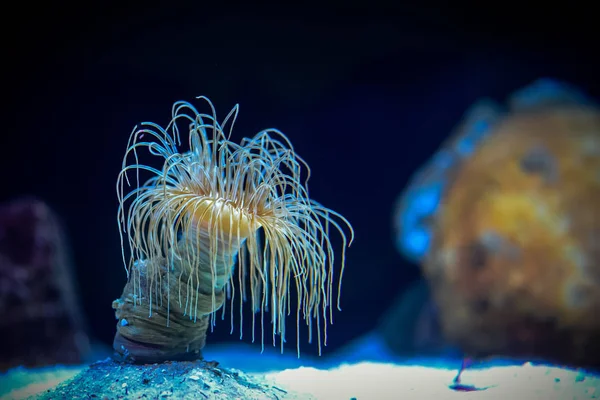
(459, 387)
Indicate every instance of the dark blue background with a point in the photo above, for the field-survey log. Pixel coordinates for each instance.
(365, 94)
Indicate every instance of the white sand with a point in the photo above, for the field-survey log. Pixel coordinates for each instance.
(376, 381)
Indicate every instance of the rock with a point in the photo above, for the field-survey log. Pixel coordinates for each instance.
(41, 321)
(175, 380)
(513, 255)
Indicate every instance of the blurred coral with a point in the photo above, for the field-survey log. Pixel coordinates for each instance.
(513, 251)
(41, 323)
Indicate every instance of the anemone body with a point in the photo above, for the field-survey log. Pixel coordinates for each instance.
(202, 213)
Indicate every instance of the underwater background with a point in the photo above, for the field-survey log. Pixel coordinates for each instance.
(372, 98)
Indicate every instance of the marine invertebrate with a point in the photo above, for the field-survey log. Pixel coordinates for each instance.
(206, 211)
(513, 258)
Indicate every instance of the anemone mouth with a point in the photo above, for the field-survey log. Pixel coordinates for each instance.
(222, 215)
(252, 195)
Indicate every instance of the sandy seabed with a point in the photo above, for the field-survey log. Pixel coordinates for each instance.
(360, 381)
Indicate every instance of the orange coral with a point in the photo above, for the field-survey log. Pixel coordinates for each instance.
(515, 257)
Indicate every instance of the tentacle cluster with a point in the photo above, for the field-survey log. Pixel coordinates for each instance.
(224, 203)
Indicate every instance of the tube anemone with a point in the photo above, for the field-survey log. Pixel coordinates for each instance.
(218, 205)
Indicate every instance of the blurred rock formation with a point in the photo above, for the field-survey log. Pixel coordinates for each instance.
(511, 227)
(41, 321)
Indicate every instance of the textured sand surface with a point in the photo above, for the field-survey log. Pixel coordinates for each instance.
(375, 381)
(361, 381)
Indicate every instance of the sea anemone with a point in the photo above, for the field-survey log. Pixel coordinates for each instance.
(217, 205)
